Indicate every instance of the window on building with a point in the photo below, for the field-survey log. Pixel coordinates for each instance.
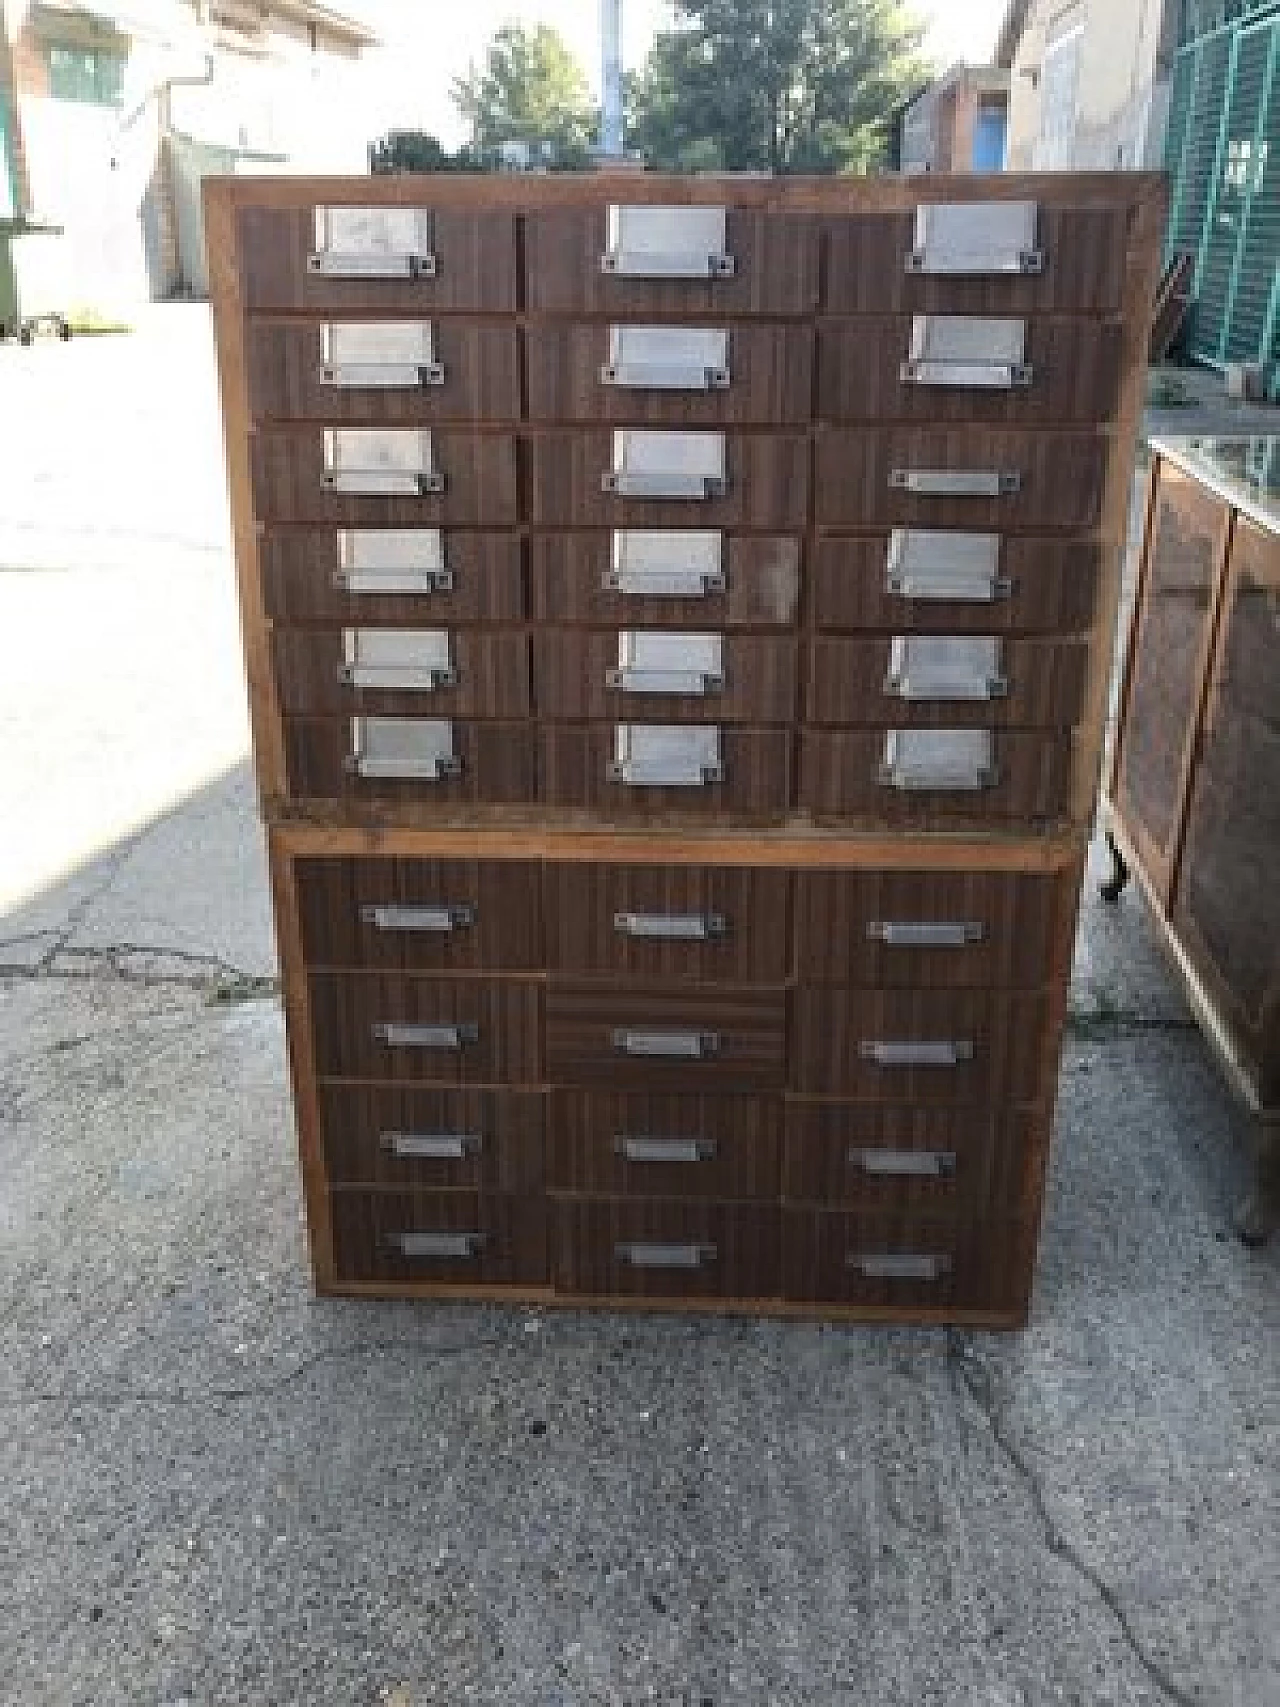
(92, 74)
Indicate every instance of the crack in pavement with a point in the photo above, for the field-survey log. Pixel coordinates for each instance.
(971, 1376)
(211, 972)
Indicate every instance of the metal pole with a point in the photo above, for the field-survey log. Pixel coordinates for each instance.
(611, 78)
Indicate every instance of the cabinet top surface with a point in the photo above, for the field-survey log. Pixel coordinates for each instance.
(1243, 472)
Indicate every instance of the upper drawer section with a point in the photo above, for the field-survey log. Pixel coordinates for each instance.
(392, 477)
(638, 260)
(362, 259)
(973, 257)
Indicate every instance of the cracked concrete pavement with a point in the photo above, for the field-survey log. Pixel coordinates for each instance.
(215, 1489)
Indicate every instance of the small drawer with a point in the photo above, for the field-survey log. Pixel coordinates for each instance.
(933, 929)
(372, 1025)
(677, 1039)
(897, 1157)
(955, 581)
(663, 1248)
(440, 1140)
(665, 923)
(431, 763)
(639, 1145)
(663, 673)
(649, 478)
(665, 578)
(941, 680)
(393, 476)
(399, 671)
(441, 1239)
(387, 372)
(920, 1046)
(949, 477)
(677, 375)
(374, 259)
(657, 260)
(890, 777)
(393, 575)
(905, 1260)
(643, 771)
(420, 914)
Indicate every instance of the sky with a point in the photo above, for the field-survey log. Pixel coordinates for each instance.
(430, 42)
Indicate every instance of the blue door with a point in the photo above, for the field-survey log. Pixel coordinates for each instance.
(988, 140)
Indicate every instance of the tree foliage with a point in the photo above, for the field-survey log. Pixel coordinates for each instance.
(530, 89)
(419, 151)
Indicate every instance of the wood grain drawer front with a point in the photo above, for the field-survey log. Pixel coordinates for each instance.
(364, 371)
(683, 675)
(746, 373)
(674, 1040)
(643, 1145)
(656, 923)
(773, 266)
(1034, 585)
(919, 1046)
(490, 763)
(441, 1140)
(473, 262)
(1022, 372)
(665, 579)
(392, 1027)
(976, 477)
(402, 671)
(420, 914)
(939, 681)
(1082, 270)
(899, 1157)
(894, 1259)
(579, 768)
(476, 476)
(441, 1239)
(663, 1248)
(847, 774)
(397, 575)
(932, 929)
(765, 481)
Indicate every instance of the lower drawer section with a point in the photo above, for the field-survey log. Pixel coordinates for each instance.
(663, 1248)
(441, 1139)
(666, 1039)
(389, 1027)
(644, 1145)
(462, 1239)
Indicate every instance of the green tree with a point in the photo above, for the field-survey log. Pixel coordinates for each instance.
(776, 85)
(530, 89)
(418, 151)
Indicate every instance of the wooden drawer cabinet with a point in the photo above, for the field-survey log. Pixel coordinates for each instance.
(411, 576)
(394, 1026)
(678, 675)
(445, 1240)
(665, 578)
(938, 681)
(659, 1145)
(437, 1140)
(672, 1248)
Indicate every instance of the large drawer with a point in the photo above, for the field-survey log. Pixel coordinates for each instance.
(441, 1140)
(401, 671)
(579, 768)
(967, 584)
(416, 575)
(474, 371)
(603, 372)
(456, 915)
(393, 1026)
(710, 580)
(668, 923)
(920, 1046)
(476, 474)
(635, 674)
(444, 1239)
(474, 253)
(663, 1248)
(675, 1039)
(939, 681)
(635, 1144)
(932, 929)
(889, 1156)
(849, 774)
(773, 267)
(908, 476)
(764, 484)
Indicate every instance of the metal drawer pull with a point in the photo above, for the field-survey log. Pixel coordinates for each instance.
(391, 560)
(665, 1256)
(667, 358)
(662, 583)
(945, 666)
(373, 243)
(934, 563)
(649, 464)
(915, 1164)
(671, 1045)
(660, 242)
(432, 1146)
(379, 354)
(654, 661)
(408, 749)
(926, 933)
(949, 1052)
(967, 351)
(443, 1247)
(680, 1150)
(923, 759)
(378, 462)
(976, 237)
(405, 660)
(892, 1266)
(397, 918)
(666, 563)
(397, 1036)
(666, 755)
(671, 927)
(956, 482)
